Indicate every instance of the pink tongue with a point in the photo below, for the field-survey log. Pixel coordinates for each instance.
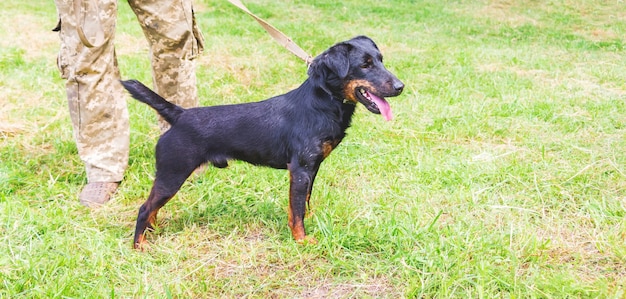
(383, 106)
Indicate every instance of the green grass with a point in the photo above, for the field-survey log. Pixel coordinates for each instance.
(502, 175)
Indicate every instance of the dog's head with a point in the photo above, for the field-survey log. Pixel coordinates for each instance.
(353, 70)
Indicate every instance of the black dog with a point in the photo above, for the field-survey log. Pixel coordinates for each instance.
(294, 131)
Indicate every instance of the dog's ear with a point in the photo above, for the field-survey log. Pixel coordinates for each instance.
(337, 59)
(330, 68)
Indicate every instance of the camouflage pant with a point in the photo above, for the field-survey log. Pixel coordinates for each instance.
(87, 60)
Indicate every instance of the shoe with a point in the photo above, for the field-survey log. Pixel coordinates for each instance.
(97, 193)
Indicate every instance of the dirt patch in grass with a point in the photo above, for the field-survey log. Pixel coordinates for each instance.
(577, 80)
(378, 287)
(251, 261)
(30, 33)
(501, 11)
(587, 255)
(543, 14)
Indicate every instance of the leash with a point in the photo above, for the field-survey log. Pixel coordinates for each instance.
(278, 36)
(281, 38)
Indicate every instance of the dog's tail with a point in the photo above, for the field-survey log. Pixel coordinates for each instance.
(142, 93)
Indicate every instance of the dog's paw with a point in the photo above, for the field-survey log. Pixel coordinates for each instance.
(142, 244)
(307, 240)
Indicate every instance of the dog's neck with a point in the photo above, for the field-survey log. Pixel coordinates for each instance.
(335, 105)
(346, 108)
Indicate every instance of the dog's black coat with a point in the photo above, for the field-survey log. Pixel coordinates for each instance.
(294, 131)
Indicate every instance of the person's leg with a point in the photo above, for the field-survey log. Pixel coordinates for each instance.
(97, 101)
(171, 31)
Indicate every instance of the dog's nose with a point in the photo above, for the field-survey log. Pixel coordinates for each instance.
(398, 86)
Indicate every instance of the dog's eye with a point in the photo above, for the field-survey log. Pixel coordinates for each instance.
(367, 64)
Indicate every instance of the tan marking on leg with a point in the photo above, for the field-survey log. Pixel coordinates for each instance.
(298, 232)
(297, 227)
(142, 244)
(152, 218)
(327, 147)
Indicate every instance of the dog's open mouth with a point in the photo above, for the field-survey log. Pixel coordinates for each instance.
(374, 103)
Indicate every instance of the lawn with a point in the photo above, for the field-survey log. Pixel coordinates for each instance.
(502, 175)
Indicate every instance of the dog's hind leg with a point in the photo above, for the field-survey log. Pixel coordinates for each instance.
(162, 191)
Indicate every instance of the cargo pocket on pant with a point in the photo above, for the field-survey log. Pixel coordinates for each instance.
(62, 63)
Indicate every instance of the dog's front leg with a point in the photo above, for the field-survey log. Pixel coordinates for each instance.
(301, 182)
